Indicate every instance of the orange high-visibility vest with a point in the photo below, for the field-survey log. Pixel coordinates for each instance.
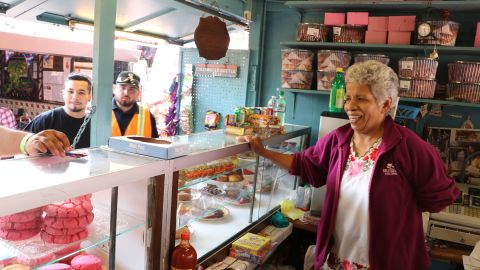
(140, 124)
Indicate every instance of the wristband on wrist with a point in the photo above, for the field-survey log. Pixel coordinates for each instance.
(24, 142)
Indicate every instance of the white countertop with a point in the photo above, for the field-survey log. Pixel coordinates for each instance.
(35, 181)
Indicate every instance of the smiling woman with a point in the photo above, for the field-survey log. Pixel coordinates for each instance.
(370, 169)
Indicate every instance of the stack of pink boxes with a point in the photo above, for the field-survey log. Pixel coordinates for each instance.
(400, 29)
(377, 30)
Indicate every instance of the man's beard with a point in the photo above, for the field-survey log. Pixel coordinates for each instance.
(75, 109)
(126, 103)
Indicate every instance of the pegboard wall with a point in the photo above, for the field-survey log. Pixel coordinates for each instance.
(218, 94)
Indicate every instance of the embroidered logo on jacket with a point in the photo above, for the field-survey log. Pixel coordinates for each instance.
(389, 169)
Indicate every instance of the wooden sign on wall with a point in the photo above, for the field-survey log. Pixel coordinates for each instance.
(216, 70)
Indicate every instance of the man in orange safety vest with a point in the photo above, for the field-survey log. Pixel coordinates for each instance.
(128, 117)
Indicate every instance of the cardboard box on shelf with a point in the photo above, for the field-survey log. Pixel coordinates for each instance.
(160, 148)
(375, 37)
(334, 18)
(401, 23)
(357, 18)
(399, 38)
(277, 235)
(379, 24)
(239, 130)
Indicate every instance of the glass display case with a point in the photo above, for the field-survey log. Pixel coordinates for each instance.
(221, 189)
(36, 229)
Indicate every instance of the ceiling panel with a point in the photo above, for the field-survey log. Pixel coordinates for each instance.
(177, 21)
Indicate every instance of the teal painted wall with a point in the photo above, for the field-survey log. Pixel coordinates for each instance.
(280, 25)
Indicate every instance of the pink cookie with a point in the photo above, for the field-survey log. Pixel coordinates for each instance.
(17, 235)
(26, 216)
(36, 223)
(86, 262)
(34, 262)
(55, 231)
(68, 223)
(56, 266)
(64, 239)
(68, 260)
(69, 208)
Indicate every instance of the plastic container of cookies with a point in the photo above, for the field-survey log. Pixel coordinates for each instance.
(416, 88)
(330, 60)
(297, 79)
(377, 57)
(444, 33)
(296, 59)
(417, 68)
(467, 92)
(312, 32)
(348, 33)
(460, 71)
(324, 80)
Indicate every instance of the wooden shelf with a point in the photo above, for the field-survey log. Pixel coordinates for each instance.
(402, 99)
(426, 49)
(463, 6)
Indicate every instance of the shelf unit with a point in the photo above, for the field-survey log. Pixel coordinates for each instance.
(380, 47)
(457, 6)
(402, 99)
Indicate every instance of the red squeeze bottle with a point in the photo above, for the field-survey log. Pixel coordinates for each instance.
(184, 256)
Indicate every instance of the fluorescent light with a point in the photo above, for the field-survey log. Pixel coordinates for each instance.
(120, 35)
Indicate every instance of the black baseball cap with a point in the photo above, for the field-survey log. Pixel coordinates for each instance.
(128, 77)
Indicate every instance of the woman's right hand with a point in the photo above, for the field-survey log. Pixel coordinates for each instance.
(255, 144)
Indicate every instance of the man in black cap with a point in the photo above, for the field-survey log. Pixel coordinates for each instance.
(128, 118)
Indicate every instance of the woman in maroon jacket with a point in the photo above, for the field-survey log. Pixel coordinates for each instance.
(380, 177)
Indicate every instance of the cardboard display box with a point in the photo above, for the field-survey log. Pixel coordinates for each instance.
(159, 148)
(378, 24)
(373, 37)
(401, 23)
(357, 18)
(399, 38)
(334, 18)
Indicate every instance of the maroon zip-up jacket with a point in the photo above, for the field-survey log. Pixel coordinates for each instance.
(409, 178)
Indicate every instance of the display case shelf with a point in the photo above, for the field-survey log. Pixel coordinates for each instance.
(197, 181)
(457, 6)
(425, 49)
(402, 99)
(50, 179)
(99, 236)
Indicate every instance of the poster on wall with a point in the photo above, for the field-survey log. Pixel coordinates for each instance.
(84, 68)
(457, 148)
(53, 84)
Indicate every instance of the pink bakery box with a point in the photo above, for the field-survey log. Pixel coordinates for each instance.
(334, 18)
(401, 23)
(374, 37)
(357, 18)
(379, 24)
(399, 38)
(477, 36)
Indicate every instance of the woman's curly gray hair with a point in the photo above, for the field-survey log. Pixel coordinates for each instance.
(381, 79)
